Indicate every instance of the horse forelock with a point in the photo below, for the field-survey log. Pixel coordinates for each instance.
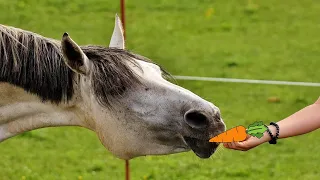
(35, 63)
(110, 73)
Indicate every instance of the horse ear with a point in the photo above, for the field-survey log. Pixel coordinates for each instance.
(73, 56)
(117, 39)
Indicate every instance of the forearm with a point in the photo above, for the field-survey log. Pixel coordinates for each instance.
(301, 122)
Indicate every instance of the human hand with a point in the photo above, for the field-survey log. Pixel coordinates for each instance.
(249, 143)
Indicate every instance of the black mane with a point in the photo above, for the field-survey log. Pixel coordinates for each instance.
(35, 64)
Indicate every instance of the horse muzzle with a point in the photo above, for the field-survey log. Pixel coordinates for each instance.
(202, 148)
(202, 127)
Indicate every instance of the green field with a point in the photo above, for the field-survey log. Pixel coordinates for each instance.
(258, 39)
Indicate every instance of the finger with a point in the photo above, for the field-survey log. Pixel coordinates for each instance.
(236, 145)
(242, 146)
(248, 144)
(225, 145)
(233, 145)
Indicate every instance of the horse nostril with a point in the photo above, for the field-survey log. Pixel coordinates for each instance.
(196, 120)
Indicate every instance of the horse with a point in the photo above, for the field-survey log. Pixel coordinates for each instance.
(125, 98)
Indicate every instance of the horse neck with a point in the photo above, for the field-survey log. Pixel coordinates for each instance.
(21, 112)
(36, 88)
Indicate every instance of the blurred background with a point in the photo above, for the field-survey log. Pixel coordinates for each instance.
(257, 39)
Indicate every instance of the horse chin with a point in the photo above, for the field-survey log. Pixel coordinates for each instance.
(202, 148)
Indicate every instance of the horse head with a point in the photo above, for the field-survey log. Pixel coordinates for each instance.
(133, 108)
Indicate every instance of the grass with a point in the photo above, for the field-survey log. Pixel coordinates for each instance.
(265, 39)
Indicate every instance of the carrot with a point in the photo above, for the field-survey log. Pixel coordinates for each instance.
(235, 134)
(239, 133)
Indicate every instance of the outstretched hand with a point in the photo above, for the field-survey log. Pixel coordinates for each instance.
(249, 143)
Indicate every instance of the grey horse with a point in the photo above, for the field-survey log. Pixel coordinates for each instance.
(123, 97)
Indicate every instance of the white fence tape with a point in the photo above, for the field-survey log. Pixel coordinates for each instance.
(250, 81)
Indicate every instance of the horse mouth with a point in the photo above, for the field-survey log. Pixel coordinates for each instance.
(202, 148)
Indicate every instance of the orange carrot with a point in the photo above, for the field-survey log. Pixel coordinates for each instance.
(235, 134)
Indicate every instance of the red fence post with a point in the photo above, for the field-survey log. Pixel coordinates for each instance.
(123, 18)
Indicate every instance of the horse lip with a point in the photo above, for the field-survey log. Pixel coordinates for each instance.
(202, 148)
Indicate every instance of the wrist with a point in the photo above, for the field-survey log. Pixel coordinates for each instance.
(266, 137)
